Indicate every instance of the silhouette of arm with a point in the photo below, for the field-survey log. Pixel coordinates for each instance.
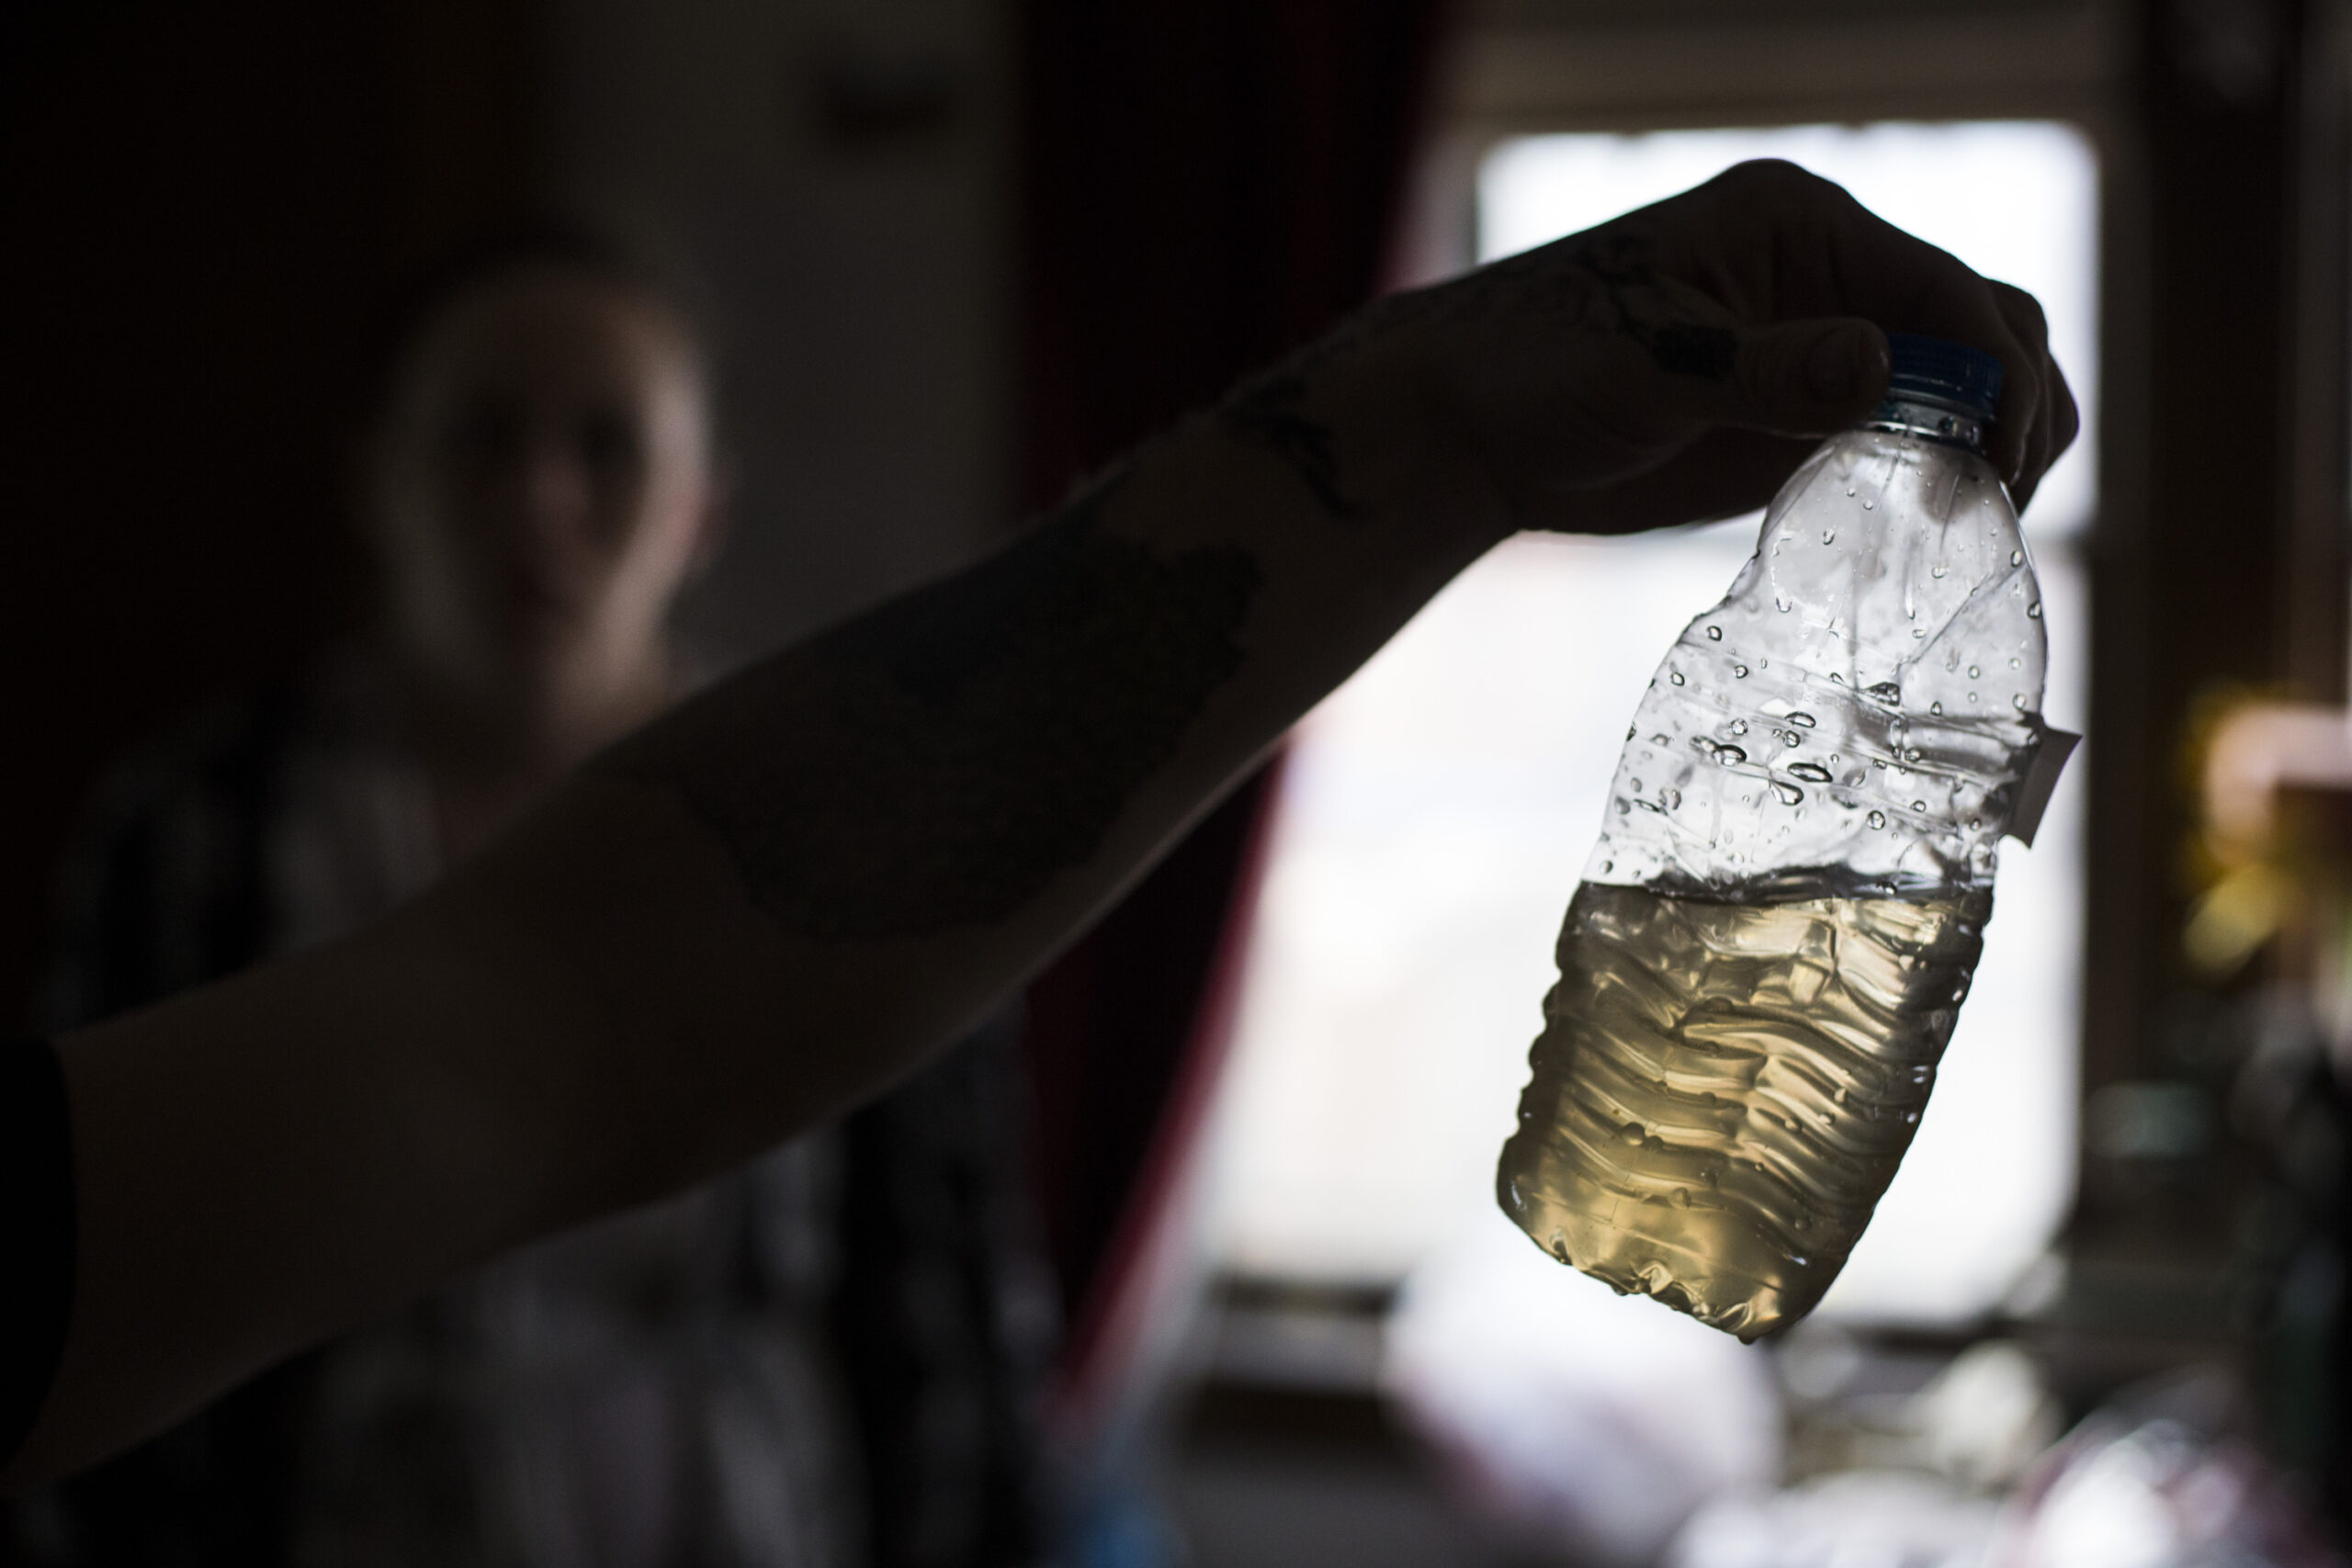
(783, 896)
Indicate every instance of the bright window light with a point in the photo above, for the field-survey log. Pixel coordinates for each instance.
(1438, 808)
(2016, 199)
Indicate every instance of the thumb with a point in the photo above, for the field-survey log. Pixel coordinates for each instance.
(1807, 377)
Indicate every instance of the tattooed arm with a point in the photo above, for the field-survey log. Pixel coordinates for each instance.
(782, 897)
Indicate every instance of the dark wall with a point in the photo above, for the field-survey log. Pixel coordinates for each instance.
(2220, 566)
(202, 206)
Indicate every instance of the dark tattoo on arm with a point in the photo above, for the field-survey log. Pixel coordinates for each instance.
(1621, 265)
(1605, 280)
(1272, 412)
(935, 763)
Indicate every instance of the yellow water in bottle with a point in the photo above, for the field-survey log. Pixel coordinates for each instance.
(1777, 929)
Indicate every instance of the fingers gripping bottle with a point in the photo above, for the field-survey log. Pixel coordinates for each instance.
(1774, 936)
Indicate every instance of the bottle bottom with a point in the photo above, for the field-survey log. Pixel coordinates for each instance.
(1723, 1091)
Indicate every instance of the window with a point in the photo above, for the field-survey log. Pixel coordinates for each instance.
(1439, 808)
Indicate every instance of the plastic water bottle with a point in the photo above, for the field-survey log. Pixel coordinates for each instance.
(1774, 936)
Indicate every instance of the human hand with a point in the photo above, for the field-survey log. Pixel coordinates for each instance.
(1677, 363)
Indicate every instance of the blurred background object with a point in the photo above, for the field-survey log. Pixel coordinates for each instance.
(959, 251)
(212, 210)
(2106, 1188)
(1437, 808)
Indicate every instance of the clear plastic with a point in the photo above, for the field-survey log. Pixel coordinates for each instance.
(1779, 922)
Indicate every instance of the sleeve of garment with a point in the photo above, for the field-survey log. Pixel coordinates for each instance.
(36, 1232)
(163, 886)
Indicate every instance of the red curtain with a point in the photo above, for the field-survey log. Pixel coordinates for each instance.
(1208, 185)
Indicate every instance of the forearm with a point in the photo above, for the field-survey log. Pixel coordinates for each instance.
(915, 812)
(771, 904)
(740, 922)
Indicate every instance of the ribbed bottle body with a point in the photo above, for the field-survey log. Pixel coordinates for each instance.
(1786, 902)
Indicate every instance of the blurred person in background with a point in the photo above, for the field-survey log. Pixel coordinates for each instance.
(826, 1359)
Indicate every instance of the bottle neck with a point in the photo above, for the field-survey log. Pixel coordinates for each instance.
(1938, 423)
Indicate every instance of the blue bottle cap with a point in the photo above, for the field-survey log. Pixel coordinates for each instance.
(1949, 375)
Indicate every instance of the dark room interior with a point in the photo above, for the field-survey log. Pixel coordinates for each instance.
(927, 270)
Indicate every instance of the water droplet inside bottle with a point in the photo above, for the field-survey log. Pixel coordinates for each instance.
(1919, 805)
(2016, 558)
(1673, 797)
(1637, 787)
(1787, 794)
(2017, 701)
(1971, 696)
(1870, 506)
(1676, 677)
(1780, 604)
(1876, 819)
(1937, 569)
(1727, 755)
(1885, 692)
(1974, 672)
(2013, 664)
(1715, 633)
(1805, 719)
(1740, 671)
(2033, 611)
(1829, 535)
(1739, 727)
(1811, 773)
(1934, 708)
(1704, 747)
